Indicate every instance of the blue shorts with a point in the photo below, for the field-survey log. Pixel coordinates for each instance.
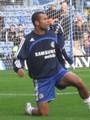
(45, 88)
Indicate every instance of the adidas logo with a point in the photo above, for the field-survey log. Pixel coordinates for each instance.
(31, 40)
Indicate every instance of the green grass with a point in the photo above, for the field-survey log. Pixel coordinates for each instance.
(16, 91)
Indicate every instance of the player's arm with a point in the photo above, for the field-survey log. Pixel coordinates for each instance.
(21, 55)
(61, 42)
(18, 66)
(59, 46)
(59, 55)
(67, 58)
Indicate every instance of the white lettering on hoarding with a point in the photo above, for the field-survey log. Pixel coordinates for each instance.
(80, 62)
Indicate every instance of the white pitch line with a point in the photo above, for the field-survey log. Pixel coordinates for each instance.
(16, 94)
(25, 94)
(67, 93)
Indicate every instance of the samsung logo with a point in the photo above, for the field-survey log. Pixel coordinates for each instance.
(43, 53)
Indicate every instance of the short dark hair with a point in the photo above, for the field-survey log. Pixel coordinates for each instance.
(36, 16)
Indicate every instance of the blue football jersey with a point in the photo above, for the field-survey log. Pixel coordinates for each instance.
(39, 51)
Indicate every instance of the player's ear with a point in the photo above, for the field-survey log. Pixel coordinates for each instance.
(36, 23)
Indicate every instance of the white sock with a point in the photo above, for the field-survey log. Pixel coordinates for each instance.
(87, 101)
(30, 110)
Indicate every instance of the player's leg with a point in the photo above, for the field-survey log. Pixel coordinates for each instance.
(71, 79)
(40, 110)
(45, 92)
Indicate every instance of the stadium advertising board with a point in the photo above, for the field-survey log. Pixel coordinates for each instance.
(80, 61)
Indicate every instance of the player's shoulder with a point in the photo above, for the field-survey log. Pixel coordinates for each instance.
(29, 36)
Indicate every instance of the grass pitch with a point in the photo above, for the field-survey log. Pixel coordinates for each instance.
(16, 91)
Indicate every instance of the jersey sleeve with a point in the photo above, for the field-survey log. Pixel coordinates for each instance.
(60, 40)
(21, 55)
(18, 64)
(22, 52)
(59, 55)
(67, 57)
(58, 30)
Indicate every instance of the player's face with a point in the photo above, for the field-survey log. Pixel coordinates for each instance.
(43, 22)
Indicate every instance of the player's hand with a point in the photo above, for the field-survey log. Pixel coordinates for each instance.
(72, 66)
(20, 72)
